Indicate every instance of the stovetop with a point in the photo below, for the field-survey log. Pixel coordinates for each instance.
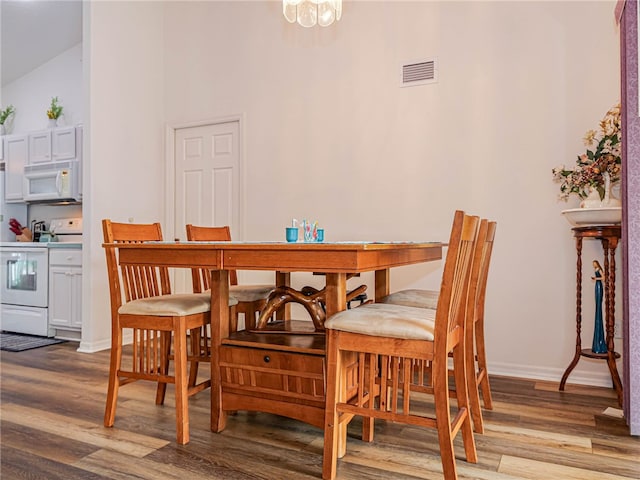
(68, 234)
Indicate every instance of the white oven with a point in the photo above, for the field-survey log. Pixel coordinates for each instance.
(24, 275)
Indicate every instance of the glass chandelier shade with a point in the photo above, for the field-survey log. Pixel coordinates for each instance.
(311, 12)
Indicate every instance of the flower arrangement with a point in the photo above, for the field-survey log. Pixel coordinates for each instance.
(55, 110)
(6, 113)
(601, 159)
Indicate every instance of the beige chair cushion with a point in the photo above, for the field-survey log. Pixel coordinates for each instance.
(414, 298)
(175, 305)
(250, 293)
(383, 320)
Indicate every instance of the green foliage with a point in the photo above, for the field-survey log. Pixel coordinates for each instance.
(55, 110)
(4, 114)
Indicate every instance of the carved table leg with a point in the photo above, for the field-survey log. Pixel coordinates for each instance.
(609, 247)
(576, 355)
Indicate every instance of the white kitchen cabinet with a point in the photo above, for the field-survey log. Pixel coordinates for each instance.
(65, 291)
(52, 145)
(16, 153)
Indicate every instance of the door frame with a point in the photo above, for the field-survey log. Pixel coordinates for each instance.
(170, 164)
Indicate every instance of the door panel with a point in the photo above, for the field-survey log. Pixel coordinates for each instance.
(207, 181)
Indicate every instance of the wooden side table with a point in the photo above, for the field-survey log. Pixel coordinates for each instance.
(609, 236)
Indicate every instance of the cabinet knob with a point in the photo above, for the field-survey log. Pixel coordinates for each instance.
(267, 359)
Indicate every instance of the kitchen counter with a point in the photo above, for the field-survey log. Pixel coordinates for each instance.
(41, 244)
(64, 244)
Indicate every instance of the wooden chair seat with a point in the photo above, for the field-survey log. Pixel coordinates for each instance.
(173, 305)
(413, 298)
(250, 293)
(392, 321)
(392, 343)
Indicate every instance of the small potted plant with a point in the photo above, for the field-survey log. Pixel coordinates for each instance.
(54, 112)
(4, 115)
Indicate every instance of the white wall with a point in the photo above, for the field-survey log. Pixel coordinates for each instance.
(329, 135)
(125, 102)
(31, 94)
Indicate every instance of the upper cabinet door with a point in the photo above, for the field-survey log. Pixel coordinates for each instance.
(16, 155)
(63, 143)
(52, 145)
(40, 147)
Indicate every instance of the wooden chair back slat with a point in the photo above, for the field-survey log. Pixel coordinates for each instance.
(452, 302)
(201, 276)
(134, 281)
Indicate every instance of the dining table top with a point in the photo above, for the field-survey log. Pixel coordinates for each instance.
(329, 257)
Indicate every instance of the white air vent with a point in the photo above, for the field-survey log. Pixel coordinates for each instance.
(419, 72)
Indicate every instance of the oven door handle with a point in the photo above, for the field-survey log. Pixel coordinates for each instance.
(9, 252)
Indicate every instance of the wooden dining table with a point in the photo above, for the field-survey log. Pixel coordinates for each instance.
(276, 373)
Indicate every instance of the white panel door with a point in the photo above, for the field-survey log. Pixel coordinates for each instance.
(207, 180)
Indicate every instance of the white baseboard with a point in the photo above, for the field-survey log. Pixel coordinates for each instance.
(93, 347)
(578, 377)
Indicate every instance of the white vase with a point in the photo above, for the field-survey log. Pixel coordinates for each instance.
(609, 200)
(53, 122)
(593, 200)
(2, 131)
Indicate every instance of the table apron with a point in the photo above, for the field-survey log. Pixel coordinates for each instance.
(328, 262)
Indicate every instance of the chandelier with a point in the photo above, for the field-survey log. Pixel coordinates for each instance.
(311, 12)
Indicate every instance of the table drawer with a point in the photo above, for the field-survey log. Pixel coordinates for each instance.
(262, 371)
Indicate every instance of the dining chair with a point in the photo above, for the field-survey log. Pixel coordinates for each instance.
(392, 343)
(476, 352)
(141, 300)
(251, 298)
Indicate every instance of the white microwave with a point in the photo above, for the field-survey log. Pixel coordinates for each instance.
(52, 182)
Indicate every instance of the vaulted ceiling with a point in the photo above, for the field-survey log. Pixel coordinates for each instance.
(33, 32)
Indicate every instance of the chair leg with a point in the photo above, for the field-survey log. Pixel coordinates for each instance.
(440, 381)
(331, 431)
(249, 318)
(472, 384)
(368, 423)
(114, 382)
(181, 379)
(483, 383)
(195, 337)
(462, 396)
(163, 368)
(483, 376)
(233, 319)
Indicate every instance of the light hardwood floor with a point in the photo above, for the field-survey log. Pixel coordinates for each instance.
(52, 403)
